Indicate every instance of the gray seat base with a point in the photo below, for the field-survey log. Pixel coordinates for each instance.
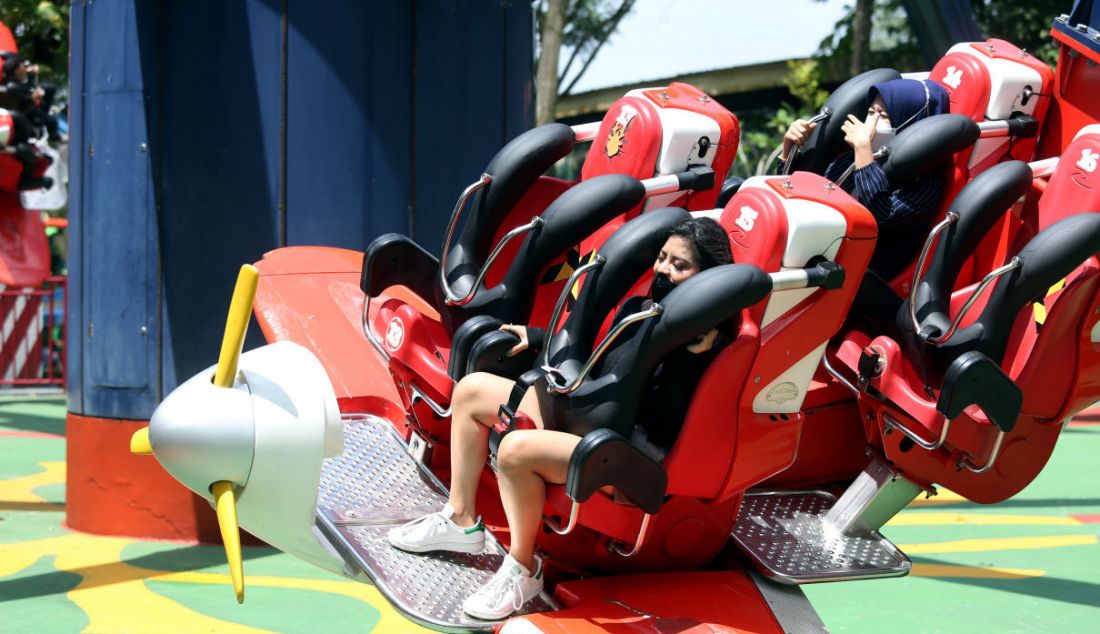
(786, 536)
(372, 487)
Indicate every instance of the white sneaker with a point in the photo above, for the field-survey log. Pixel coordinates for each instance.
(510, 588)
(436, 531)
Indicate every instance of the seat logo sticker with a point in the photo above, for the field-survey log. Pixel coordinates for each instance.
(616, 137)
(395, 334)
(954, 77)
(1088, 160)
(782, 393)
(747, 219)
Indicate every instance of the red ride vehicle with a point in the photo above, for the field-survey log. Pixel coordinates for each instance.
(324, 440)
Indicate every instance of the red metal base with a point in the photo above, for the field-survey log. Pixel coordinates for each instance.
(109, 491)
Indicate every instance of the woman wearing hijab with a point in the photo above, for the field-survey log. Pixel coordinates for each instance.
(904, 214)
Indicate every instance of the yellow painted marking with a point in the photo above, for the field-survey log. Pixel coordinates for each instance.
(998, 543)
(1040, 309)
(973, 572)
(22, 489)
(564, 272)
(980, 519)
(115, 598)
(945, 496)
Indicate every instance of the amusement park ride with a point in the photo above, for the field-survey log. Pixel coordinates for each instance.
(805, 436)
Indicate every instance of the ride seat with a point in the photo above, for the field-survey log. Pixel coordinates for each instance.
(746, 429)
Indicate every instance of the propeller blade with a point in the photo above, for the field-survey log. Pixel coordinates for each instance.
(236, 324)
(225, 503)
(139, 443)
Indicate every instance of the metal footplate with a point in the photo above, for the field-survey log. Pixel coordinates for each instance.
(788, 537)
(372, 487)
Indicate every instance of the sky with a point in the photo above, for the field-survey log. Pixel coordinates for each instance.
(661, 38)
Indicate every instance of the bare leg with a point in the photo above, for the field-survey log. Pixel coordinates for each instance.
(477, 397)
(528, 459)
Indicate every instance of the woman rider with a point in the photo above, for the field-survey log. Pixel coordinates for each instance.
(528, 459)
(904, 214)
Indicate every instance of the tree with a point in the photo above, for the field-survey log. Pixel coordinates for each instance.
(580, 26)
(41, 30)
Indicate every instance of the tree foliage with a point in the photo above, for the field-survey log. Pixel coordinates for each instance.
(1024, 23)
(41, 29)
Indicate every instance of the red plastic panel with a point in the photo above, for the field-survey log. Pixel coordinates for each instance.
(24, 250)
(757, 226)
(732, 604)
(1075, 185)
(628, 140)
(966, 81)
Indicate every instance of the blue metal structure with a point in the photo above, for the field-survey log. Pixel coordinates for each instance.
(206, 133)
(1082, 24)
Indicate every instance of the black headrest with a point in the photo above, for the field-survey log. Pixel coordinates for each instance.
(827, 140)
(574, 215)
(979, 205)
(927, 145)
(610, 396)
(514, 169)
(628, 254)
(1048, 257)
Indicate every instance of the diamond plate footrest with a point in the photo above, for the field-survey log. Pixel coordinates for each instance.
(785, 536)
(372, 487)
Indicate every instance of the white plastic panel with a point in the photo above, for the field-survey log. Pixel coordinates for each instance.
(1007, 81)
(786, 393)
(681, 131)
(812, 229)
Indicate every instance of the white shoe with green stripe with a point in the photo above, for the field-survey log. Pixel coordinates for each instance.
(436, 531)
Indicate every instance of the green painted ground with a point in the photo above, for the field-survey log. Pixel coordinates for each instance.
(1035, 568)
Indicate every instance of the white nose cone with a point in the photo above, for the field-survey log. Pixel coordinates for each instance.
(201, 433)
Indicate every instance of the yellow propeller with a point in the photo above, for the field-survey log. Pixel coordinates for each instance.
(225, 500)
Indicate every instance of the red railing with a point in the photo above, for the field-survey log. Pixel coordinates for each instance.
(32, 335)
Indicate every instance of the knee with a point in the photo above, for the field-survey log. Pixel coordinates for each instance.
(516, 451)
(470, 389)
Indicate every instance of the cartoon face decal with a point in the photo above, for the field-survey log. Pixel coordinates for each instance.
(616, 137)
(395, 334)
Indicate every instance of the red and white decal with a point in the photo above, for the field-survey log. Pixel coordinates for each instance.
(395, 334)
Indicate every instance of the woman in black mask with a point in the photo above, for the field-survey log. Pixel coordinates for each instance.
(529, 459)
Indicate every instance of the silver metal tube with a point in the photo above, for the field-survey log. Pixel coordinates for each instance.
(949, 220)
(573, 514)
(1044, 167)
(986, 281)
(643, 532)
(418, 395)
(552, 384)
(661, 185)
(451, 299)
(371, 337)
(596, 261)
(818, 118)
(912, 435)
(586, 131)
(837, 375)
(790, 280)
(993, 129)
(965, 463)
(459, 204)
(882, 151)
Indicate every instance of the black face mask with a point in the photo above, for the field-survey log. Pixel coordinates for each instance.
(660, 287)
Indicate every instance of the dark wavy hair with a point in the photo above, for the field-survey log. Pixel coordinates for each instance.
(709, 243)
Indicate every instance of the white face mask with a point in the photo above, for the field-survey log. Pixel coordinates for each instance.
(884, 133)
